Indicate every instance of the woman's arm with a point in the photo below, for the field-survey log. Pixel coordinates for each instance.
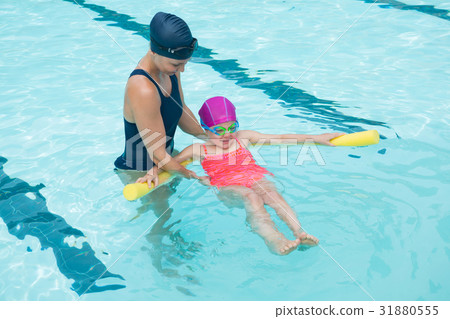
(259, 138)
(145, 103)
(188, 123)
(192, 152)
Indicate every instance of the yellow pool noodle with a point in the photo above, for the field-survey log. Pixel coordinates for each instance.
(137, 190)
(357, 139)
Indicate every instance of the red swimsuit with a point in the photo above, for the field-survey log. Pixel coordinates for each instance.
(234, 168)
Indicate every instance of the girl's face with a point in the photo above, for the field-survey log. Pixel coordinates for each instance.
(223, 141)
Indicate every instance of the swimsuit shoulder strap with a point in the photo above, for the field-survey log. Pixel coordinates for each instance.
(204, 147)
(240, 145)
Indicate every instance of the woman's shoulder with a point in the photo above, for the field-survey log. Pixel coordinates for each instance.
(139, 84)
(141, 95)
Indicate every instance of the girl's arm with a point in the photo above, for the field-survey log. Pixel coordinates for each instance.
(192, 152)
(259, 138)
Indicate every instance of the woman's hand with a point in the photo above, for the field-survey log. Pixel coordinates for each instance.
(152, 175)
(326, 137)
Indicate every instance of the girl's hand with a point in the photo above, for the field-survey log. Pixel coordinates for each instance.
(191, 174)
(152, 175)
(202, 179)
(205, 180)
(326, 137)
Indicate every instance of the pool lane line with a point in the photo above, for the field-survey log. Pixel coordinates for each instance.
(138, 238)
(426, 9)
(323, 111)
(24, 211)
(320, 246)
(315, 61)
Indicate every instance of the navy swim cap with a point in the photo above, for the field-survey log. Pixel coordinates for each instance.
(171, 37)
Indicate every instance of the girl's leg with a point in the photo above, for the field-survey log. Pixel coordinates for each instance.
(262, 224)
(273, 198)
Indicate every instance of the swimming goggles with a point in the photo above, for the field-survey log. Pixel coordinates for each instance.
(182, 52)
(220, 130)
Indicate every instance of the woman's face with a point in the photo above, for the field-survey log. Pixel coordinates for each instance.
(222, 141)
(170, 66)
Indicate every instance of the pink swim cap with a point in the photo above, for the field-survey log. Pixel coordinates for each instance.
(217, 110)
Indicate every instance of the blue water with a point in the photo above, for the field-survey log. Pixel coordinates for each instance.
(381, 212)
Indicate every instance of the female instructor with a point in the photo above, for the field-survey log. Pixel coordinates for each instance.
(154, 104)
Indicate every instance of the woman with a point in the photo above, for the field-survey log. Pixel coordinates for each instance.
(154, 104)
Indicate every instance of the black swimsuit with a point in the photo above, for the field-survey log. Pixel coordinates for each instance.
(135, 156)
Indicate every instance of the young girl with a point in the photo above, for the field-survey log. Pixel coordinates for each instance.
(232, 169)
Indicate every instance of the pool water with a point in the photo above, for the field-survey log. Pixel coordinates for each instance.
(381, 212)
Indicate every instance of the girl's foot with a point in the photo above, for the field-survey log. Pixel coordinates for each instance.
(283, 246)
(306, 239)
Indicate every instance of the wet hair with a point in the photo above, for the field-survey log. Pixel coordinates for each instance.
(167, 31)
